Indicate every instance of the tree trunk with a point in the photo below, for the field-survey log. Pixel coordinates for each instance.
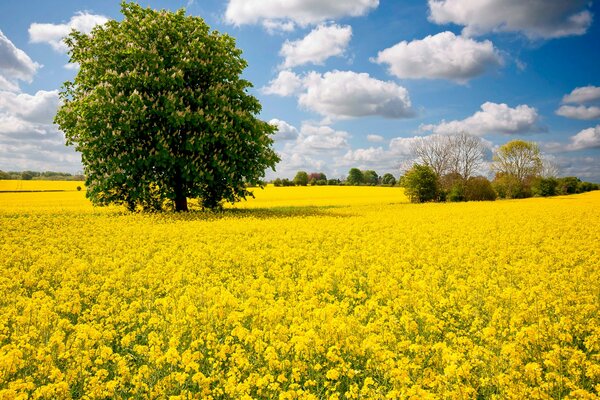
(181, 204)
(180, 195)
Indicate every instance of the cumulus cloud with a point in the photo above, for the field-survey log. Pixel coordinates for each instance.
(441, 56)
(15, 65)
(535, 19)
(39, 108)
(343, 94)
(578, 96)
(285, 131)
(375, 138)
(53, 34)
(280, 13)
(582, 95)
(315, 148)
(320, 44)
(347, 94)
(28, 138)
(586, 139)
(493, 118)
(579, 112)
(287, 83)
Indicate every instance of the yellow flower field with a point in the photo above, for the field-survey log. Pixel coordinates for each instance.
(302, 293)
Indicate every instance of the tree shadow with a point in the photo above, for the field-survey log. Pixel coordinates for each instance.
(259, 213)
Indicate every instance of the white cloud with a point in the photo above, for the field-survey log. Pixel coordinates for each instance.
(53, 34)
(493, 118)
(375, 138)
(278, 26)
(301, 12)
(314, 149)
(317, 138)
(579, 112)
(442, 56)
(535, 19)
(285, 131)
(582, 95)
(15, 64)
(346, 94)
(39, 108)
(287, 83)
(320, 44)
(28, 138)
(586, 139)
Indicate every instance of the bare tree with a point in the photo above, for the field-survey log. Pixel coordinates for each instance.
(459, 153)
(550, 168)
(467, 154)
(434, 151)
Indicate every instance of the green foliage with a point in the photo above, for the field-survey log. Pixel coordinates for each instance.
(544, 187)
(388, 179)
(586, 187)
(452, 187)
(508, 186)
(301, 178)
(568, 185)
(27, 175)
(355, 177)
(479, 188)
(286, 182)
(334, 182)
(370, 177)
(518, 158)
(4, 175)
(421, 184)
(277, 182)
(159, 113)
(456, 193)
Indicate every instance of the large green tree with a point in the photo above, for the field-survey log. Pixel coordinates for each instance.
(160, 113)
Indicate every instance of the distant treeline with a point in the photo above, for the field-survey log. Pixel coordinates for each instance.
(41, 176)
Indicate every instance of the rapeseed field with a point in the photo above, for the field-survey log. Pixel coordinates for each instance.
(301, 293)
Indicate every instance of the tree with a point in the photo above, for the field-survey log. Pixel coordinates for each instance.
(466, 154)
(421, 183)
(159, 113)
(4, 175)
(518, 158)
(370, 177)
(434, 151)
(544, 186)
(568, 185)
(459, 153)
(27, 175)
(355, 177)
(388, 179)
(301, 178)
(479, 188)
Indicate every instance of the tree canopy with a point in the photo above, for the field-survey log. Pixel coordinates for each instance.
(519, 159)
(160, 113)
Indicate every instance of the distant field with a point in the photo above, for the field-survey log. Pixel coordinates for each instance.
(301, 293)
(29, 185)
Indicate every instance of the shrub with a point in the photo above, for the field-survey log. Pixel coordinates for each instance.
(544, 187)
(568, 185)
(479, 188)
(421, 184)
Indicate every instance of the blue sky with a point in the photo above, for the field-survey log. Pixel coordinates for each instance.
(349, 83)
